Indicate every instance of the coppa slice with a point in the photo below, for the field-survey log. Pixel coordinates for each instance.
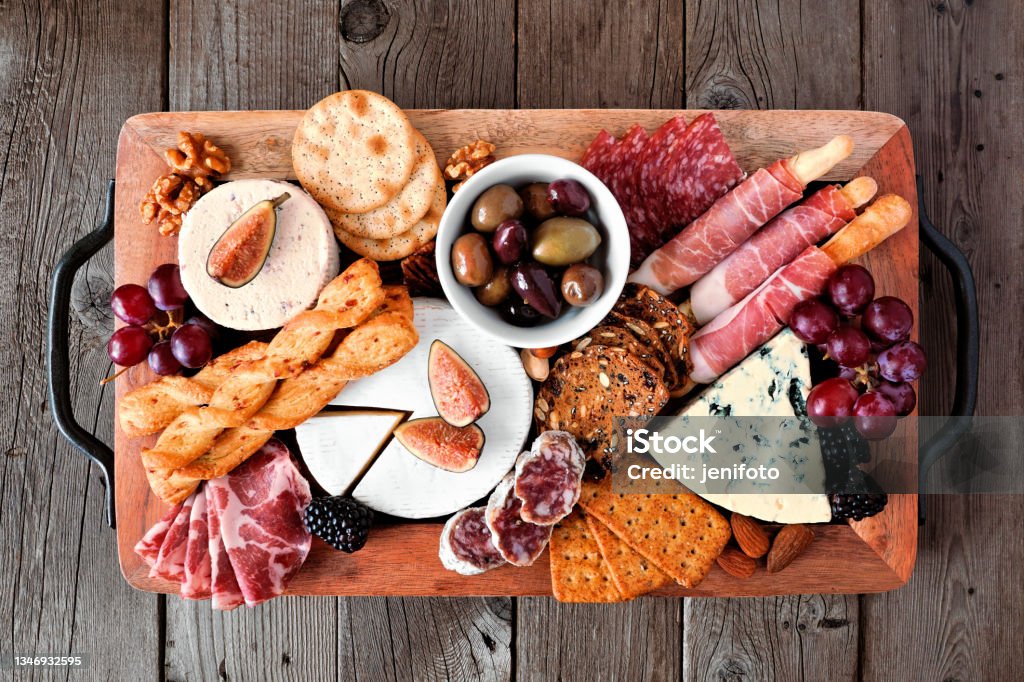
(459, 395)
(437, 442)
(548, 478)
(467, 546)
(519, 541)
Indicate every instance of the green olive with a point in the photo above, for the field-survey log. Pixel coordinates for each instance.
(471, 260)
(564, 241)
(495, 290)
(496, 205)
(582, 284)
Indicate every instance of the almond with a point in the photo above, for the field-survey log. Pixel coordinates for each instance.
(736, 563)
(750, 536)
(790, 543)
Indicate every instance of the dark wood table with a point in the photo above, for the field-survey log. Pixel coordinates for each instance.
(72, 72)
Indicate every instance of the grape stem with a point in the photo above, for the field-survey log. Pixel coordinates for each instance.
(104, 382)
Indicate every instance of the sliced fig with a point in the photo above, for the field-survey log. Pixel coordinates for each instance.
(437, 442)
(459, 395)
(240, 253)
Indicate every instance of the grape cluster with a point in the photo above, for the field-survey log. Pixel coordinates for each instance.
(154, 330)
(876, 359)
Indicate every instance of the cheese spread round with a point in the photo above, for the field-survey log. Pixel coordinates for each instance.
(302, 259)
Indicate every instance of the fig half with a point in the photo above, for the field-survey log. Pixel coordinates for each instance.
(240, 253)
(458, 394)
(437, 442)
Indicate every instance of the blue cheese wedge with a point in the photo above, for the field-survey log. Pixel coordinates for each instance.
(773, 381)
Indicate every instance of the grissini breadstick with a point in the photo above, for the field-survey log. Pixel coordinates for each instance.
(731, 220)
(884, 218)
(859, 191)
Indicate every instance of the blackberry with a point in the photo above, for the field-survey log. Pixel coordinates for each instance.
(868, 500)
(842, 449)
(341, 522)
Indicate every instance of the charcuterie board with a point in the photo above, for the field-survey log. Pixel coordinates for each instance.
(401, 559)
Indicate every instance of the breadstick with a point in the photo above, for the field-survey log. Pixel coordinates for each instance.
(859, 191)
(879, 221)
(810, 165)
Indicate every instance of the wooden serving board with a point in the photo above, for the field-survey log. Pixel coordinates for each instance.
(873, 555)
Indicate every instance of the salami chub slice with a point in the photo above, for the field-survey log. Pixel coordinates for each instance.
(548, 478)
(467, 546)
(519, 541)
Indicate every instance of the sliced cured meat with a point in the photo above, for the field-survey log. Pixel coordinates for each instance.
(149, 546)
(519, 541)
(467, 546)
(225, 592)
(549, 478)
(595, 158)
(260, 508)
(197, 581)
(771, 247)
(744, 327)
(170, 563)
(720, 230)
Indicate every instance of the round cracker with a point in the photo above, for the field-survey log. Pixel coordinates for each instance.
(405, 209)
(354, 150)
(403, 244)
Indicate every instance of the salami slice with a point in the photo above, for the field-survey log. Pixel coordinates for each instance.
(652, 169)
(519, 541)
(549, 477)
(467, 546)
(595, 158)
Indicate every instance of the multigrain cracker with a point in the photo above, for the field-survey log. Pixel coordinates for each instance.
(633, 574)
(671, 325)
(405, 209)
(679, 532)
(354, 150)
(649, 339)
(578, 571)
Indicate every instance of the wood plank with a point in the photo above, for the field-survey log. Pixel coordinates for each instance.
(775, 638)
(753, 55)
(430, 53)
(65, 87)
(244, 55)
(759, 56)
(950, 71)
(638, 640)
(600, 54)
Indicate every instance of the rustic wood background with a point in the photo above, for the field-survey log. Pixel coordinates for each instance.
(71, 71)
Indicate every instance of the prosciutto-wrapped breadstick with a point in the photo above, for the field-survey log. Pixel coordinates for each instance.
(733, 218)
(776, 244)
(744, 327)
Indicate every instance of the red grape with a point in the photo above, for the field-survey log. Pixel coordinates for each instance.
(129, 346)
(888, 319)
(849, 346)
(874, 416)
(905, 361)
(568, 197)
(165, 287)
(206, 324)
(902, 396)
(813, 320)
(830, 403)
(162, 360)
(133, 304)
(191, 346)
(851, 288)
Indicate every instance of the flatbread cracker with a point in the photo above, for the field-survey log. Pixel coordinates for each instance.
(354, 150)
(680, 533)
(633, 574)
(405, 209)
(578, 571)
(399, 246)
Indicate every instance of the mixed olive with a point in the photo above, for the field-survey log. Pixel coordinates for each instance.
(528, 251)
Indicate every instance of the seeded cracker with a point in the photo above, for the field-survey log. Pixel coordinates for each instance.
(616, 337)
(649, 339)
(633, 574)
(587, 389)
(680, 533)
(578, 571)
(663, 316)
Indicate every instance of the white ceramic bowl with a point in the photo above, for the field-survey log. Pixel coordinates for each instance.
(612, 257)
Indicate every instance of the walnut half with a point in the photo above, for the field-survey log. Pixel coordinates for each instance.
(466, 161)
(193, 165)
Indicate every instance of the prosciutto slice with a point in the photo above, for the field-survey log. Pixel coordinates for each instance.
(771, 247)
(170, 563)
(746, 326)
(225, 592)
(149, 546)
(720, 230)
(196, 583)
(259, 508)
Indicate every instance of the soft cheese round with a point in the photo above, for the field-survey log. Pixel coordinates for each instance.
(302, 260)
